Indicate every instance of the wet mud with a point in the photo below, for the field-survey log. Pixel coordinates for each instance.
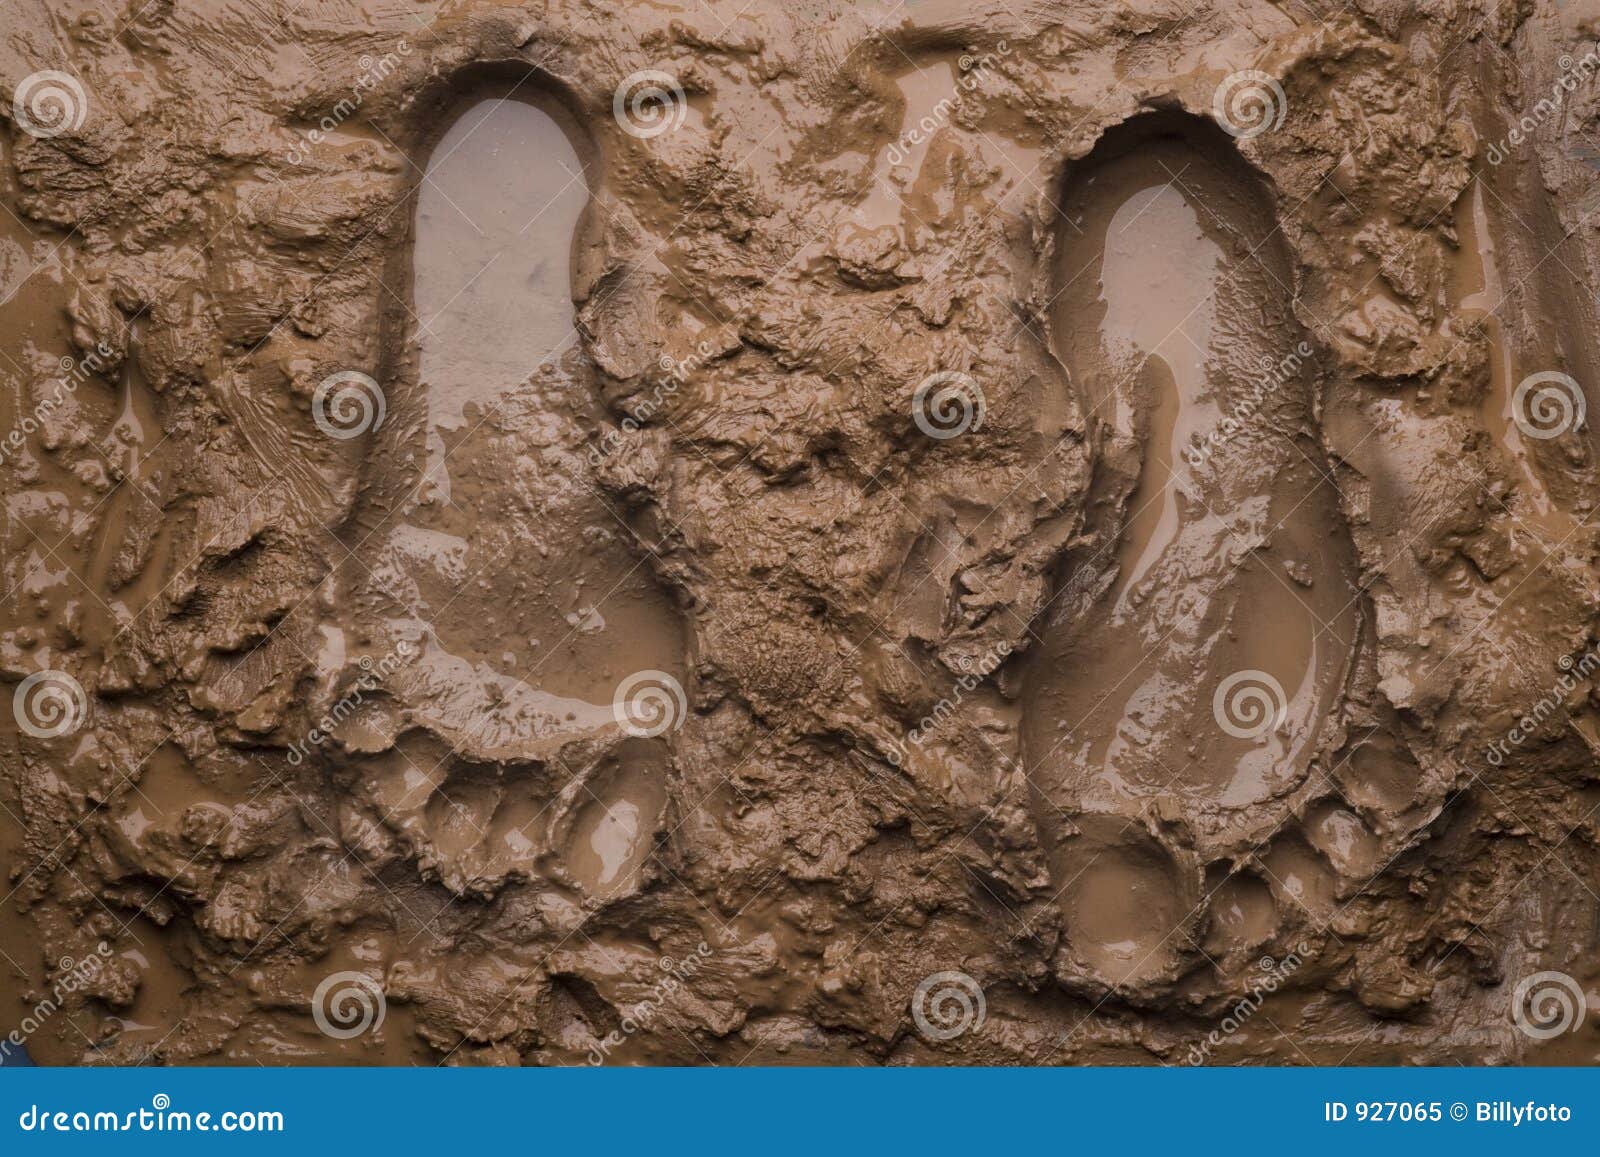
(861, 534)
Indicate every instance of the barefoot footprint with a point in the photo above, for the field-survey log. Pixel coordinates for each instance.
(1204, 671)
(484, 550)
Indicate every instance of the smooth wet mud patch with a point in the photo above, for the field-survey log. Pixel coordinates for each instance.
(497, 214)
(1243, 915)
(909, 185)
(1125, 901)
(954, 153)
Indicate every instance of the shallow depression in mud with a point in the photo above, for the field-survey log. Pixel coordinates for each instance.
(519, 560)
(501, 591)
(1218, 645)
(492, 277)
(1223, 545)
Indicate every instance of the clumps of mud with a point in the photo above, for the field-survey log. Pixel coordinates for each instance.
(722, 537)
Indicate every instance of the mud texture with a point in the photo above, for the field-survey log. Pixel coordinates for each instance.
(888, 533)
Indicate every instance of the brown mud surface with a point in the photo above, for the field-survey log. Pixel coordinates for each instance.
(882, 533)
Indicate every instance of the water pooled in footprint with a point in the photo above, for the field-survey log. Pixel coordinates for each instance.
(610, 832)
(1219, 644)
(1156, 278)
(614, 835)
(492, 280)
(515, 586)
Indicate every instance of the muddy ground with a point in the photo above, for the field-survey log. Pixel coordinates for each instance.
(916, 532)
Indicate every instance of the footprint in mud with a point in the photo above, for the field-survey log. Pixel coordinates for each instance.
(502, 595)
(1196, 656)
